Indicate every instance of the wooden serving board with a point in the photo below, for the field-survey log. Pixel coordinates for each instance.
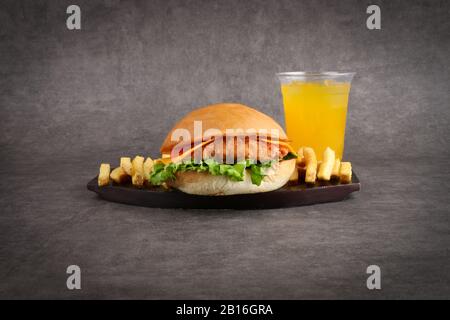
(288, 196)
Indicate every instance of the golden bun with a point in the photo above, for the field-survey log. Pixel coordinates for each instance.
(202, 183)
(224, 116)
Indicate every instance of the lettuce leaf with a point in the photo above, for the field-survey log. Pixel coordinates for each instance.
(289, 156)
(235, 172)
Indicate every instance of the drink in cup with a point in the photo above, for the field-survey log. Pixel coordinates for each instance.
(315, 109)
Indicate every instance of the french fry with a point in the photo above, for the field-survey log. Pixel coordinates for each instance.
(311, 165)
(300, 158)
(165, 186)
(336, 168)
(345, 172)
(294, 176)
(137, 172)
(125, 164)
(103, 175)
(327, 165)
(148, 167)
(118, 175)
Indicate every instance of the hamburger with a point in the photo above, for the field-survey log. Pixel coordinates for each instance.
(225, 149)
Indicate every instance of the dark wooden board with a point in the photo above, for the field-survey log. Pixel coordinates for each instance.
(288, 196)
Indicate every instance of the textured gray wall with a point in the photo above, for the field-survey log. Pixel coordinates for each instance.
(136, 66)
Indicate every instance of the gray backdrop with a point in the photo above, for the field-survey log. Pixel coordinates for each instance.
(70, 99)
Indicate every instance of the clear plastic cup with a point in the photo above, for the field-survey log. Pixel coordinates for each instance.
(315, 109)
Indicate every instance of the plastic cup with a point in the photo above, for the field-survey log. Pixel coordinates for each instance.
(315, 109)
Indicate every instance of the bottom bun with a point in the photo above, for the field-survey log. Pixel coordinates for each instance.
(201, 183)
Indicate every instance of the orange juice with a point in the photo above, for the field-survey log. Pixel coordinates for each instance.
(315, 114)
